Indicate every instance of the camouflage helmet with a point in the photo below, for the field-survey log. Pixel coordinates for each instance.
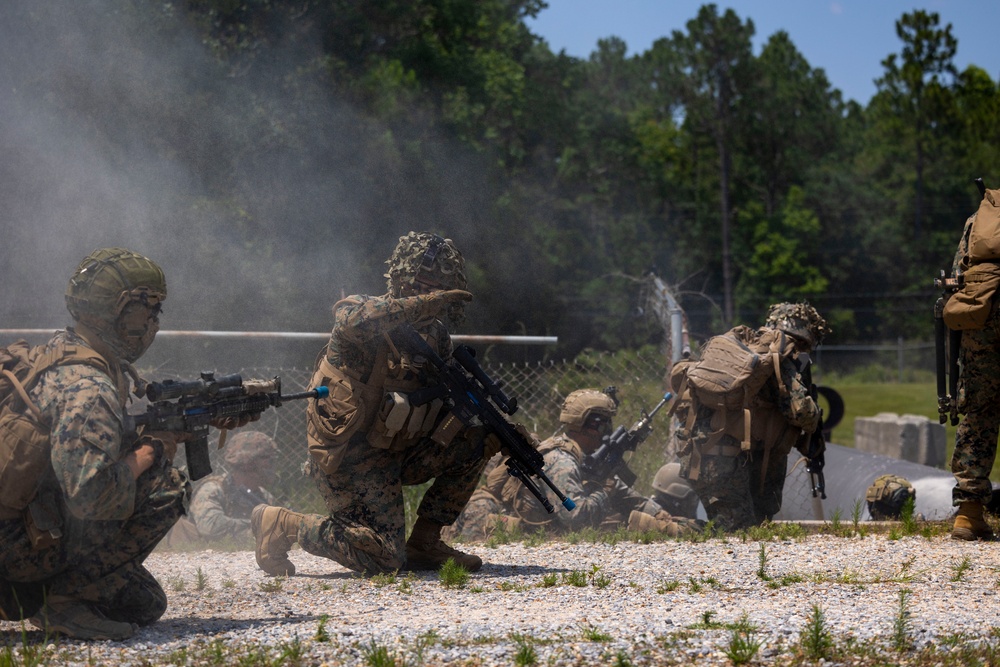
(673, 492)
(887, 495)
(798, 319)
(249, 448)
(118, 293)
(422, 255)
(581, 403)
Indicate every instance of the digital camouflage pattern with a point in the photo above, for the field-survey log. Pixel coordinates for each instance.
(599, 503)
(109, 523)
(365, 529)
(978, 402)
(742, 489)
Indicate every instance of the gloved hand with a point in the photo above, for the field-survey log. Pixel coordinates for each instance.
(229, 423)
(491, 445)
(166, 442)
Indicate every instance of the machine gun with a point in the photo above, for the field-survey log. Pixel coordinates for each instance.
(191, 406)
(608, 459)
(474, 398)
(816, 451)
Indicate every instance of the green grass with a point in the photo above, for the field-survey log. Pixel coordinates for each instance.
(914, 398)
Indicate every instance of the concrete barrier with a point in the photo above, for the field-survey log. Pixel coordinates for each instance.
(908, 437)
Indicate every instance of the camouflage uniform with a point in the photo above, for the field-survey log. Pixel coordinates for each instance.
(109, 523)
(366, 529)
(220, 509)
(221, 506)
(737, 488)
(979, 390)
(598, 502)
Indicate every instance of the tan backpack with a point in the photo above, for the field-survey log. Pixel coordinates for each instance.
(735, 365)
(24, 435)
(733, 368)
(984, 237)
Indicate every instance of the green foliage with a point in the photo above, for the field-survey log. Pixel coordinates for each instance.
(453, 575)
(742, 177)
(815, 638)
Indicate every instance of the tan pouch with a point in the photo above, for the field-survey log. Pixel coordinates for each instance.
(970, 307)
(332, 420)
(24, 457)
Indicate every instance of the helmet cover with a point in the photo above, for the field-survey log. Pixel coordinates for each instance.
(582, 403)
(799, 320)
(249, 448)
(887, 495)
(673, 492)
(118, 293)
(421, 256)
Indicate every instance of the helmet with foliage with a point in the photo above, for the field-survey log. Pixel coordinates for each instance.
(422, 257)
(887, 495)
(118, 294)
(250, 448)
(581, 404)
(799, 320)
(673, 493)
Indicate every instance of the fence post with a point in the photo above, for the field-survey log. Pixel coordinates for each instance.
(899, 358)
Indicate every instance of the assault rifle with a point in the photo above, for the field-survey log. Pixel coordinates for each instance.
(816, 451)
(474, 398)
(200, 402)
(608, 459)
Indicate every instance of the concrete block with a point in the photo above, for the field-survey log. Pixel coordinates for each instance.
(909, 437)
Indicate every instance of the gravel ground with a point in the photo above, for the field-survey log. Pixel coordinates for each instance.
(641, 604)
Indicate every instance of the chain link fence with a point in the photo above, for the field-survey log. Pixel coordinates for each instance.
(540, 388)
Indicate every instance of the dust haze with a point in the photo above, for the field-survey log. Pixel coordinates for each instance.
(256, 209)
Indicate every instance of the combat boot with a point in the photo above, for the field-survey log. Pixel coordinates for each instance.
(970, 524)
(75, 618)
(426, 551)
(275, 530)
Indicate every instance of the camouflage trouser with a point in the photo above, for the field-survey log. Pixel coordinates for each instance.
(366, 528)
(730, 487)
(97, 561)
(979, 402)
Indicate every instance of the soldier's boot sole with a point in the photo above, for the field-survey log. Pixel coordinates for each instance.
(76, 619)
(272, 543)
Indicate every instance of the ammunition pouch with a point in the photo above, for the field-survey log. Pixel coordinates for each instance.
(972, 305)
(332, 421)
(398, 422)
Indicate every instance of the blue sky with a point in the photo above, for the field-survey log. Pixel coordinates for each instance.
(846, 38)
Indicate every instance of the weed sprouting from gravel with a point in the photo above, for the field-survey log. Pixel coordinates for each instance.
(272, 585)
(525, 654)
(959, 569)
(762, 563)
(201, 581)
(815, 638)
(377, 655)
(743, 642)
(453, 575)
(901, 625)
